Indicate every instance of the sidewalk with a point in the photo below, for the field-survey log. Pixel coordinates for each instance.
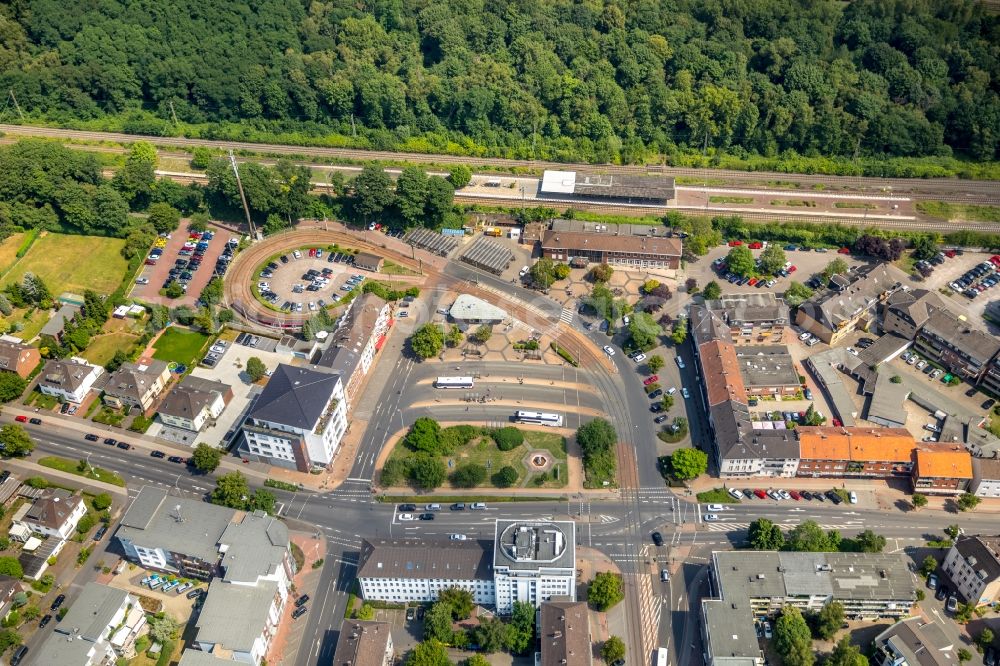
(288, 639)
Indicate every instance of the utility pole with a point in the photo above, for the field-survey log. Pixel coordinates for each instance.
(17, 106)
(173, 114)
(243, 197)
(354, 131)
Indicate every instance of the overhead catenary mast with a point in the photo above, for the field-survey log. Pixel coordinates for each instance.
(243, 198)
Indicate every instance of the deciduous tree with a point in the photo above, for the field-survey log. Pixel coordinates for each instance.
(765, 535)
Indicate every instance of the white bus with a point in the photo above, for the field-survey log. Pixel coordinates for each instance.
(555, 420)
(661, 657)
(453, 382)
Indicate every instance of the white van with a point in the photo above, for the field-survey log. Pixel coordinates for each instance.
(478, 506)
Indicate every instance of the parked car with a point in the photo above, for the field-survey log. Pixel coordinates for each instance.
(657, 538)
(652, 379)
(301, 601)
(735, 494)
(299, 612)
(44, 621)
(57, 602)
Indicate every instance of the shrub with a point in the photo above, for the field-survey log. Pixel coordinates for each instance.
(506, 477)
(507, 438)
(468, 475)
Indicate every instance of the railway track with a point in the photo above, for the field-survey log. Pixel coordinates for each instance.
(968, 191)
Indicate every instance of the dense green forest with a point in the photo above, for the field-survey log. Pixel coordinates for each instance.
(574, 80)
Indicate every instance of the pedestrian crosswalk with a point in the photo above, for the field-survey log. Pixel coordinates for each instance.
(649, 610)
(566, 316)
(736, 527)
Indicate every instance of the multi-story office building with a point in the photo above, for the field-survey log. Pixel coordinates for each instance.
(973, 564)
(404, 570)
(533, 562)
(298, 420)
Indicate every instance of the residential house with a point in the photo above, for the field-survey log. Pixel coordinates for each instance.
(54, 326)
(9, 587)
(973, 565)
(100, 628)
(855, 452)
(194, 402)
(359, 335)
(952, 342)
(941, 469)
(18, 358)
(985, 477)
(55, 513)
(298, 420)
(755, 317)
(364, 643)
(852, 303)
(914, 642)
(70, 380)
(564, 634)
(136, 384)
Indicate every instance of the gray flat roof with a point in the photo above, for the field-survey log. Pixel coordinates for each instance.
(767, 365)
(825, 364)
(488, 255)
(257, 546)
(533, 545)
(235, 615)
(92, 611)
(732, 637)
(192, 657)
(886, 403)
(425, 558)
(157, 520)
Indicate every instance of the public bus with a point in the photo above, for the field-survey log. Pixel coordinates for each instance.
(661, 657)
(454, 383)
(555, 420)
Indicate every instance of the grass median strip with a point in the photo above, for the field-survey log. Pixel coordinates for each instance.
(81, 468)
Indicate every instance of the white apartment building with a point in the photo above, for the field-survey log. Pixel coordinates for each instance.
(403, 570)
(193, 403)
(69, 380)
(533, 562)
(55, 513)
(985, 477)
(298, 420)
(973, 564)
(359, 335)
(100, 627)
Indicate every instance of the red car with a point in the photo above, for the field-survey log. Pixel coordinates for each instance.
(21, 419)
(312, 252)
(649, 380)
(793, 268)
(795, 495)
(837, 423)
(151, 262)
(844, 250)
(735, 243)
(950, 254)
(756, 245)
(760, 493)
(995, 259)
(752, 281)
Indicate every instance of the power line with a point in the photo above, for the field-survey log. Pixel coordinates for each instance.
(243, 198)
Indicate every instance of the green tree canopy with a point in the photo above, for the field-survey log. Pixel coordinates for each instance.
(206, 458)
(613, 650)
(808, 537)
(427, 472)
(765, 535)
(740, 261)
(424, 435)
(164, 218)
(428, 653)
(605, 591)
(829, 619)
(9, 566)
(870, 542)
(654, 363)
(596, 436)
(459, 176)
(772, 259)
(688, 463)
(468, 475)
(427, 341)
(712, 291)
(918, 500)
(792, 638)
(11, 386)
(845, 654)
(968, 502)
(644, 330)
(796, 293)
(16, 441)
(256, 369)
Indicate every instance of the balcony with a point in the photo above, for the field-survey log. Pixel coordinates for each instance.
(324, 420)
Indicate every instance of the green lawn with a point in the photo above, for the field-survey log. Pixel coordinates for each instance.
(955, 211)
(73, 263)
(72, 467)
(30, 325)
(180, 345)
(8, 250)
(103, 348)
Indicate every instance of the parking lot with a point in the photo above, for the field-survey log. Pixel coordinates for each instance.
(807, 264)
(306, 280)
(167, 257)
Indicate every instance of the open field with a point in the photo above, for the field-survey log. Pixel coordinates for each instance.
(950, 211)
(73, 263)
(30, 326)
(8, 251)
(177, 344)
